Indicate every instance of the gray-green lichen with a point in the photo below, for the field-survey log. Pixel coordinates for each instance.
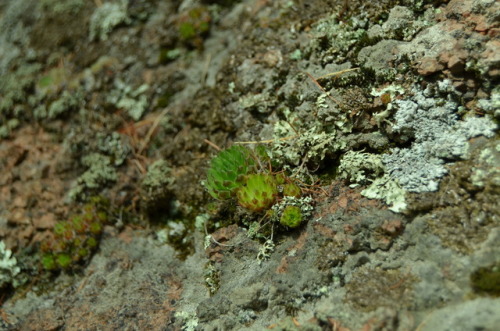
(190, 320)
(487, 170)
(335, 39)
(360, 168)
(8, 266)
(298, 140)
(387, 190)
(100, 172)
(107, 17)
(158, 176)
(401, 24)
(65, 103)
(261, 102)
(14, 88)
(492, 105)
(113, 146)
(7, 128)
(156, 185)
(62, 7)
(429, 119)
(133, 101)
(391, 91)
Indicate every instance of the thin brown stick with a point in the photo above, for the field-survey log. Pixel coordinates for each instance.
(151, 131)
(338, 73)
(322, 89)
(212, 144)
(269, 141)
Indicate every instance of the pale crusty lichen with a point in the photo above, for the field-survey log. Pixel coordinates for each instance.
(8, 266)
(99, 173)
(360, 168)
(387, 189)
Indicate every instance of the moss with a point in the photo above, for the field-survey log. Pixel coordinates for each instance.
(72, 242)
(486, 280)
(292, 190)
(193, 26)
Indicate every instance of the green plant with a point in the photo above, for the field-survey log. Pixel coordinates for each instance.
(246, 175)
(291, 217)
(292, 190)
(73, 241)
(258, 192)
(193, 25)
(227, 171)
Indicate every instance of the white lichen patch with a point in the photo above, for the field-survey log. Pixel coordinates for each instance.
(106, 18)
(360, 168)
(8, 266)
(429, 119)
(387, 190)
(133, 101)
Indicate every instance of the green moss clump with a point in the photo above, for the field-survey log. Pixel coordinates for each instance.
(487, 280)
(193, 26)
(48, 262)
(72, 242)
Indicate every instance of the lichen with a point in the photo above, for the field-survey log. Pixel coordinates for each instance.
(157, 185)
(401, 24)
(8, 266)
(311, 145)
(337, 40)
(66, 102)
(430, 119)
(387, 190)
(492, 105)
(107, 17)
(114, 146)
(133, 101)
(486, 170)
(261, 102)
(99, 173)
(360, 168)
(387, 95)
(190, 321)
